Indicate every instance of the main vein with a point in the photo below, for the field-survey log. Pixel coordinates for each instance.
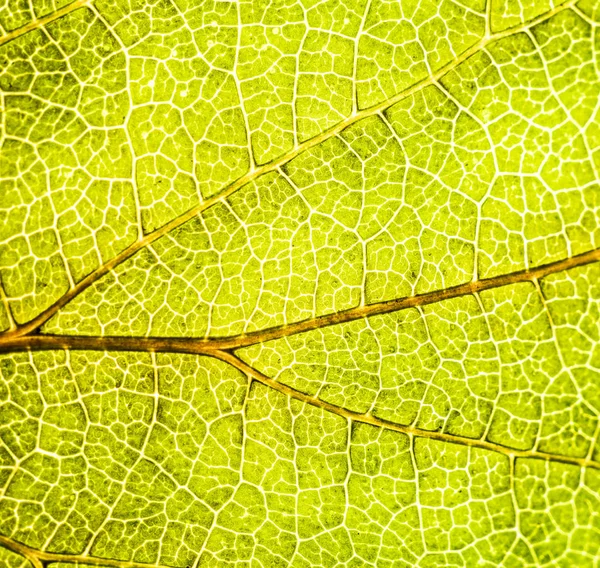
(206, 346)
(271, 166)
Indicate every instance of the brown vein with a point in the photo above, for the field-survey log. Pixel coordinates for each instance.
(410, 430)
(39, 342)
(269, 167)
(39, 558)
(41, 22)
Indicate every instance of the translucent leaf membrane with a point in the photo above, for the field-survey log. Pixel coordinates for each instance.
(447, 185)
(206, 172)
(105, 143)
(177, 461)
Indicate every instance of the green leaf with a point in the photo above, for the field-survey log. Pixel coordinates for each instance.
(299, 283)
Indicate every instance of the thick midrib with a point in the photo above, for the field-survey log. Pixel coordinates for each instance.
(410, 430)
(191, 345)
(42, 318)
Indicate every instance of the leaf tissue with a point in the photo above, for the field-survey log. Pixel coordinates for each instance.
(299, 283)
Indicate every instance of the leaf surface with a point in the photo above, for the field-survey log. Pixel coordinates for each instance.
(299, 283)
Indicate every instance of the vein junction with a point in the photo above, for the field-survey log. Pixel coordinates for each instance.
(385, 339)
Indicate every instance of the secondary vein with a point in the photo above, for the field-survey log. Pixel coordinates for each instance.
(410, 430)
